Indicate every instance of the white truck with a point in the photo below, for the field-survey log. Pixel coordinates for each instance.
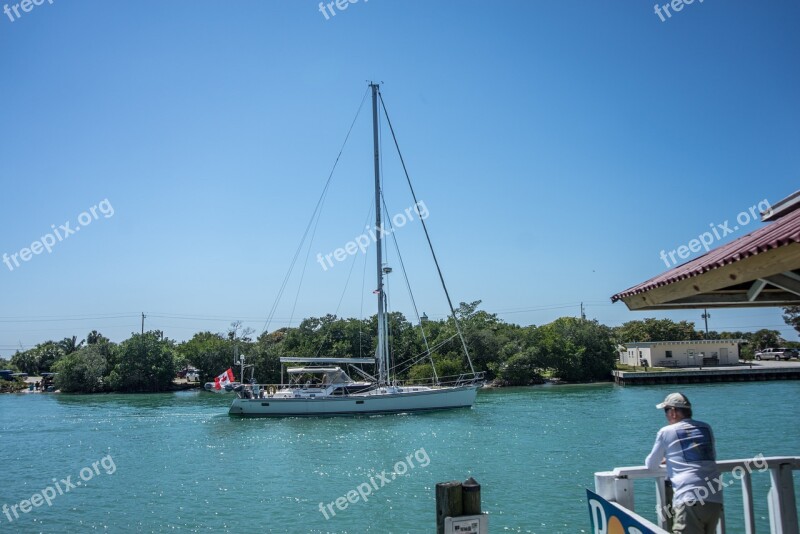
(776, 354)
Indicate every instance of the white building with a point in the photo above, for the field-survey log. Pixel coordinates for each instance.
(682, 353)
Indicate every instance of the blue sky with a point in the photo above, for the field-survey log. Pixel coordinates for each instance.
(558, 147)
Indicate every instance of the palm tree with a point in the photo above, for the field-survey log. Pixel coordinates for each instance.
(94, 337)
(70, 344)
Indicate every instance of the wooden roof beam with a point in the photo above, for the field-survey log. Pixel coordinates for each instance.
(787, 283)
(755, 289)
(764, 265)
(731, 300)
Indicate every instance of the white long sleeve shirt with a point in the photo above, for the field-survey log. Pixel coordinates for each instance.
(689, 449)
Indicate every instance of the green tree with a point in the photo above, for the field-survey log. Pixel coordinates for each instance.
(143, 363)
(210, 353)
(26, 362)
(48, 354)
(484, 335)
(576, 349)
(791, 314)
(237, 332)
(765, 338)
(265, 356)
(81, 371)
(96, 338)
(522, 369)
(38, 359)
(445, 367)
(70, 344)
(652, 329)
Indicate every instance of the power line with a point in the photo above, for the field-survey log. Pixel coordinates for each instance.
(59, 319)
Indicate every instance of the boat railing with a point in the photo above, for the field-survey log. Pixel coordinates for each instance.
(617, 486)
(464, 379)
(250, 391)
(246, 391)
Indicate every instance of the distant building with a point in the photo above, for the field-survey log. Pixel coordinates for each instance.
(682, 353)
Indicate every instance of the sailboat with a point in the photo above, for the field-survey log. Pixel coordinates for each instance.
(322, 386)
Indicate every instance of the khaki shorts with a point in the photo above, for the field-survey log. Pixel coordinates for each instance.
(697, 519)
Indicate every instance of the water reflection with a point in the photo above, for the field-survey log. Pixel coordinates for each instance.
(148, 401)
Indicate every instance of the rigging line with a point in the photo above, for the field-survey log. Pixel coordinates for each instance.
(305, 265)
(389, 334)
(311, 241)
(411, 363)
(366, 224)
(363, 285)
(347, 282)
(427, 236)
(313, 215)
(410, 293)
(421, 356)
(341, 298)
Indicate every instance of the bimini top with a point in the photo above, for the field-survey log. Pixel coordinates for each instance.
(300, 370)
(330, 375)
(761, 268)
(327, 360)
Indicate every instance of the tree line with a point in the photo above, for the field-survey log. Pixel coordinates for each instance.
(568, 349)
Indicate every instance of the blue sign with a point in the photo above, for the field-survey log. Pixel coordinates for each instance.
(611, 518)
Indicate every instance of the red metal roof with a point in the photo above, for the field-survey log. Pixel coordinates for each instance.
(782, 232)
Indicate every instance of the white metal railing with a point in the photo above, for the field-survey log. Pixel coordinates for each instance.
(260, 391)
(617, 486)
(451, 380)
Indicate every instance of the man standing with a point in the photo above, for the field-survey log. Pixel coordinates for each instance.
(687, 447)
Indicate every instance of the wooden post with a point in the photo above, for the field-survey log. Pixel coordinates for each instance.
(471, 495)
(449, 502)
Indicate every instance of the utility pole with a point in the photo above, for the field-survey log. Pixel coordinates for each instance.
(705, 316)
(583, 313)
(143, 316)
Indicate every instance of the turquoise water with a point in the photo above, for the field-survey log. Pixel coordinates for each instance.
(179, 462)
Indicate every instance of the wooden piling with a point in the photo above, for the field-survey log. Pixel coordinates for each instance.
(449, 502)
(471, 496)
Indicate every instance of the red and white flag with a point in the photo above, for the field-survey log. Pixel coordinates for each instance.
(224, 379)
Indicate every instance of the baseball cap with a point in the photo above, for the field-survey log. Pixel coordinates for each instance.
(676, 400)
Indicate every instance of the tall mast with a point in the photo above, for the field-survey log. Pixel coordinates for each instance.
(381, 353)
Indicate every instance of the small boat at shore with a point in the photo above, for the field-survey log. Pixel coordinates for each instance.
(227, 388)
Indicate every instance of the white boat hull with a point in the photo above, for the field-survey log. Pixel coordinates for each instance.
(358, 404)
